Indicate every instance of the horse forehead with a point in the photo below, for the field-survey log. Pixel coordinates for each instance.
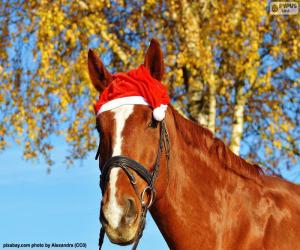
(121, 114)
(120, 122)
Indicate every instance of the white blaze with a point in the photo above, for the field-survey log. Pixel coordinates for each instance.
(114, 211)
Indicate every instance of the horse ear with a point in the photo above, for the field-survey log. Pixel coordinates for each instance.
(154, 60)
(98, 73)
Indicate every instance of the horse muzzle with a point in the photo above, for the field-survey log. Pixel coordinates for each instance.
(125, 231)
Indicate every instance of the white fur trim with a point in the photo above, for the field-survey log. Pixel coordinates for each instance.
(159, 113)
(115, 103)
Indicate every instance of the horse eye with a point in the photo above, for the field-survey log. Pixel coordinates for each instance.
(153, 123)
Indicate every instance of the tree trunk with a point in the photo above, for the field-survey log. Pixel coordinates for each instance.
(212, 106)
(238, 120)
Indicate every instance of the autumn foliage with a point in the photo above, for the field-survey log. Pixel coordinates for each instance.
(232, 67)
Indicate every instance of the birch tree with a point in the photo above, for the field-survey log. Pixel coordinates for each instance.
(232, 67)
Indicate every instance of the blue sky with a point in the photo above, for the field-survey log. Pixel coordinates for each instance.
(62, 207)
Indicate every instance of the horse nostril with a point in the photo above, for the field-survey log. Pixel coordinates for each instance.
(131, 211)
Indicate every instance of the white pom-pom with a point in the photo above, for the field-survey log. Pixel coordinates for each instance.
(159, 113)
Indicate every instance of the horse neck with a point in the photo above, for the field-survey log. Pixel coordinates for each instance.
(193, 182)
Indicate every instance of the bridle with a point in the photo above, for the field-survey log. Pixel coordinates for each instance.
(127, 164)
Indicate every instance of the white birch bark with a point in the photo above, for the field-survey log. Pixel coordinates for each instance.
(192, 38)
(238, 121)
(212, 106)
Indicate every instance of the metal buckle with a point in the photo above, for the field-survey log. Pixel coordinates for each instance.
(152, 196)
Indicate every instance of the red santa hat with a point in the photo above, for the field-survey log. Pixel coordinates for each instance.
(135, 87)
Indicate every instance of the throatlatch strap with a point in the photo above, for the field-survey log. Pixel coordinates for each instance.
(101, 238)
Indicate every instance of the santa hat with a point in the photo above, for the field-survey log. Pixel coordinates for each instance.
(135, 87)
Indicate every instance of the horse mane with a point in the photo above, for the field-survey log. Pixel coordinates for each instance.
(204, 139)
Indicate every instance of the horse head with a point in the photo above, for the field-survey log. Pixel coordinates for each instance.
(128, 131)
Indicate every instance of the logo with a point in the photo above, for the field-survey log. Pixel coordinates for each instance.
(284, 8)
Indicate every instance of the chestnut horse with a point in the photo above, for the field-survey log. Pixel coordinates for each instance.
(208, 198)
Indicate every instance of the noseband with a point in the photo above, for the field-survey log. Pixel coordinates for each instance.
(128, 165)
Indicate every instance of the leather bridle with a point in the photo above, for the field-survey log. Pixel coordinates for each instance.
(127, 165)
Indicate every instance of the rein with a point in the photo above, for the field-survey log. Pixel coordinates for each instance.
(127, 165)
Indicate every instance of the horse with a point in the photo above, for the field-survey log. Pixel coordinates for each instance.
(206, 197)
